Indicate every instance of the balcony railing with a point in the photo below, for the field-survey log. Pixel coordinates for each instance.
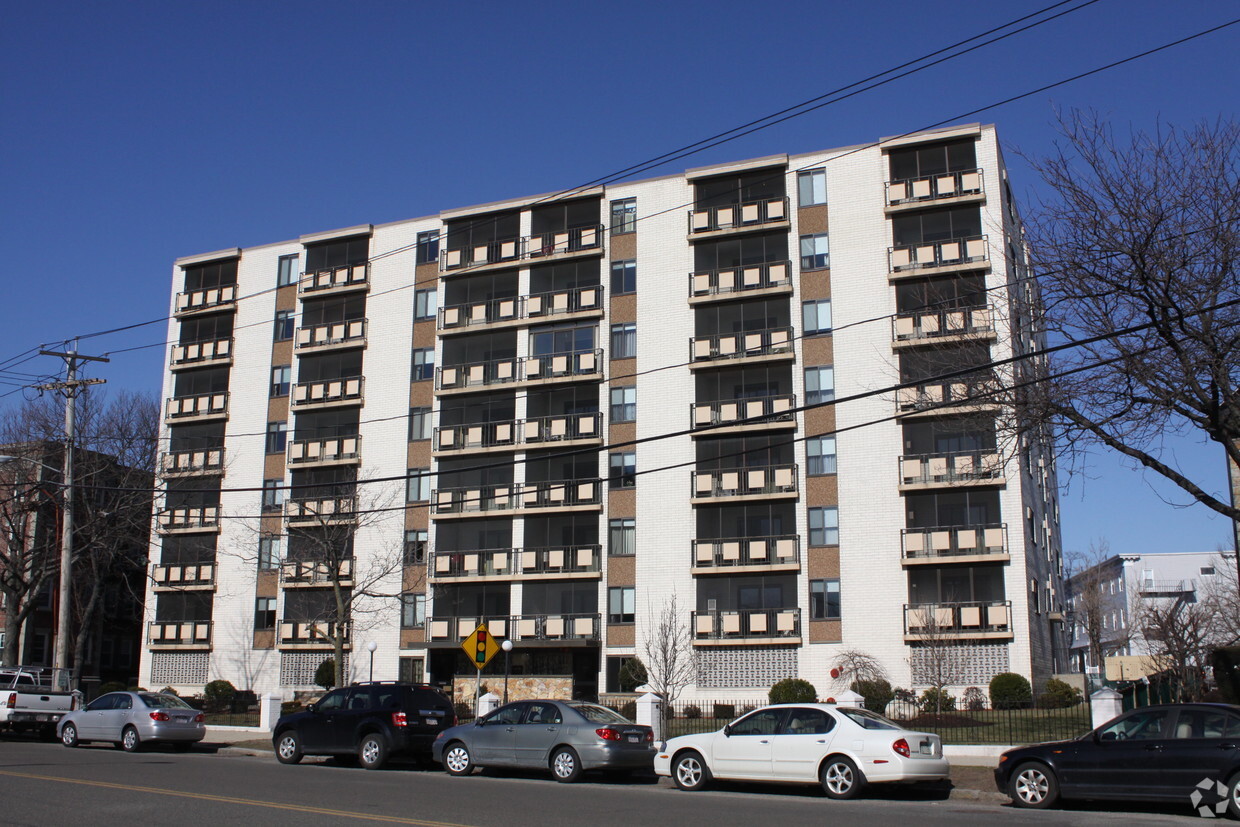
(537, 431)
(956, 252)
(948, 397)
(732, 346)
(201, 354)
(755, 626)
(510, 250)
(316, 573)
(552, 367)
(186, 576)
(1167, 587)
(771, 482)
(729, 281)
(578, 239)
(565, 494)
(188, 519)
(206, 462)
(517, 308)
(335, 280)
(183, 634)
(339, 450)
(561, 562)
(213, 298)
(951, 469)
(472, 564)
(329, 394)
(765, 411)
(568, 561)
(728, 555)
(991, 618)
(309, 633)
(944, 544)
(750, 215)
(478, 255)
(198, 408)
(321, 510)
(934, 187)
(518, 627)
(941, 325)
(335, 336)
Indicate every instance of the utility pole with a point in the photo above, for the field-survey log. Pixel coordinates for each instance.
(69, 388)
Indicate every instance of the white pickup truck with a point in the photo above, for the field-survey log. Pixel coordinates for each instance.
(33, 699)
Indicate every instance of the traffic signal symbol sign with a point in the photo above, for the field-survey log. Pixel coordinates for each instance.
(480, 646)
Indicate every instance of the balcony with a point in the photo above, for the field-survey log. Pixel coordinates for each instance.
(203, 407)
(768, 413)
(1166, 588)
(335, 393)
(188, 520)
(943, 327)
(335, 280)
(569, 562)
(771, 278)
(935, 257)
(565, 244)
(206, 301)
(518, 498)
(954, 544)
(526, 628)
(502, 253)
(552, 368)
(776, 482)
(561, 563)
(315, 453)
(989, 620)
(201, 354)
(189, 577)
(772, 344)
(484, 564)
(573, 243)
(577, 302)
(958, 469)
(336, 336)
(315, 574)
(183, 634)
(205, 463)
(551, 431)
(757, 627)
(321, 511)
(962, 395)
(736, 218)
(739, 555)
(961, 187)
(309, 634)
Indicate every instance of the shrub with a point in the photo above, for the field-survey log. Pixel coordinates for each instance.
(974, 699)
(325, 675)
(629, 710)
(289, 707)
(464, 712)
(693, 711)
(877, 693)
(219, 695)
(168, 690)
(904, 696)
(1226, 663)
(111, 686)
(937, 700)
(1010, 691)
(793, 691)
(632, 675)
(1059, 695)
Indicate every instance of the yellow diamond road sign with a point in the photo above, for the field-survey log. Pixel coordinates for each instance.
(480, 646)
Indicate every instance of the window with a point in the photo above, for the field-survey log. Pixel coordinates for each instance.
(623, 216)
(819, 385)
(815, 254)
(820, 452)
(264, 614)
(624, 340)
(418, 488)
(1207, 571)
(284, 325)
(624, 404)
(268, 552)
(273, 495)
(428, 247)
(424, 302)
(816, 316)
(287, 273)
(623, 469)
(620, 603)
(281, 376)
(824, 600)
(623, 277)
(812, 187)
(277, 437)
(423, 363)
(622, 537)
(412, 611)
(419, 424)
(824, 526)
(415, 547)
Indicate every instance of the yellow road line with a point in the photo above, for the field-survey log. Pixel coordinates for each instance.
(300, 808)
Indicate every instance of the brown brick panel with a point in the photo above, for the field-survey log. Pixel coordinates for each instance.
(413, 579)
(825, 631)
(408, 637)
(424, 334)
(623, 246)
(277, 408)
(286, 297)
(417, 515)
(420, 454)
(620, 372)
(621, 634)
(624, 308)
(819, 421)
(817, 351)
(624, 432)
(273, 466)
(282, 353)
(822, 490)
(816, 284)
(265, 639)
(622, 571)
(812, 219)
(267, 584)
(823, 563)
(421, 394)
(268, 523)
(622, 503)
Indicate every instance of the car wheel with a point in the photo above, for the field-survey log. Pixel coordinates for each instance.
(372, 753)
(1233, 796)
(288, 748)
(130, 742)
(1033, 785)
(457, 760)
(841, 779)
(690, 773)
(69, 737)
(565, 765)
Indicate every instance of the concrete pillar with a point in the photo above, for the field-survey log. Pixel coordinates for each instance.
(849, 698)
(1105, 704)
(487, 703)
(269, 710)
(650, 713)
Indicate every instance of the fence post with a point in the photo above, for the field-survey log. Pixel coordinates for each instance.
(269, 711)
(1105, 704)
(649, 713)
(849, 698)
(487, 703)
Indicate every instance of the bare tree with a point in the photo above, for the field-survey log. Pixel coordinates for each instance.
(853, 666)
(1181, 634)
(1222, 592)
(937, 659)
(1092, 595)
(670, 659)
(29, 556)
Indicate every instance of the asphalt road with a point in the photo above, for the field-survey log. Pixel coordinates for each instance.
(46, 784)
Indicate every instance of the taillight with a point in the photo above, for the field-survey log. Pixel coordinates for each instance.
(650, 737)
(607, 734)
(199, 718)
(398, 719)
(12, 704)
(160, 716)
(901, 747)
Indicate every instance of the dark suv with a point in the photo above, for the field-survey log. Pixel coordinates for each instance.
(373, 721)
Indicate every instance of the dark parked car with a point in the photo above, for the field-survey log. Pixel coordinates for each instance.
(1157, 753)
(373, 721)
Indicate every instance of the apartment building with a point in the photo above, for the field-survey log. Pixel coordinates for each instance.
(764, 389)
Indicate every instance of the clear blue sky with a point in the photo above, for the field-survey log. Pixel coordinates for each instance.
(137, 132)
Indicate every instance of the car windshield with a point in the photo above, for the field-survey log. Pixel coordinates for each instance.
(600, 714)
(866, 719)
(164, 701)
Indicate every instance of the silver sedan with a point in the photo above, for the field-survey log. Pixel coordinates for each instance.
(131, 719)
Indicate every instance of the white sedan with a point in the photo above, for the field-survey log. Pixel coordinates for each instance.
(843, 748)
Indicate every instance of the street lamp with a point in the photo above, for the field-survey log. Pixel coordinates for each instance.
(372, 646)
(507, 647)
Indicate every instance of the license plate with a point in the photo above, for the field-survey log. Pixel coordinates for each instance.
(635, 739)
(40, 717)
(926, 749)
(432, 721)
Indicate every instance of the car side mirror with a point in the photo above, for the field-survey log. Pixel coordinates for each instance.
(312, 707)
(479, 722)
(1106, 736)
(727, 731)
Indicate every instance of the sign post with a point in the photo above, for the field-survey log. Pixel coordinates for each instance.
(480, 647)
